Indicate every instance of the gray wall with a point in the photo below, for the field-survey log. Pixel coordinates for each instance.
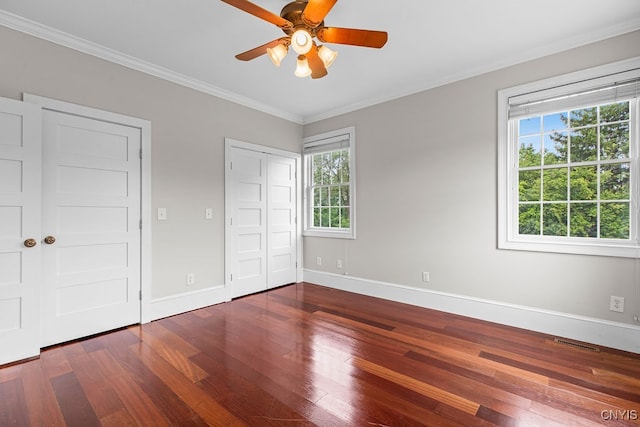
(188, 131)
(427, 199)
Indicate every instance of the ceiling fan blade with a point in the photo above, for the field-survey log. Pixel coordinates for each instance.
(315, 11)
(318, 69)
(261, 50)
(352, 36)
(261, 13)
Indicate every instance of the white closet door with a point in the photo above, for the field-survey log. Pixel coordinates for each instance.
(20, 277)
(281, 219)
(248, 180)
(91, 207)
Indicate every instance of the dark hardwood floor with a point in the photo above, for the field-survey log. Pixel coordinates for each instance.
(308, 355)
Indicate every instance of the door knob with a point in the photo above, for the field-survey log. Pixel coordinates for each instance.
(29, 243)
(49, 240)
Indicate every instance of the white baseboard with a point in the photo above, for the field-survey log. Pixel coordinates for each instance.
(617, 335)
(181, 303)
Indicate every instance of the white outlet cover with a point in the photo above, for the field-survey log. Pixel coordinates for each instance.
(617, 304)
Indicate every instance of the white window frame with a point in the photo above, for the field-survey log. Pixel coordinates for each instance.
(551, 90)
(345, 137)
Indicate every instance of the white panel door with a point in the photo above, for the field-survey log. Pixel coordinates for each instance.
(20, 182)
(91, 207)
(281, 220)
(248, 178)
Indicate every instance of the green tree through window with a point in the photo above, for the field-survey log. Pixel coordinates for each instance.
(574, 171)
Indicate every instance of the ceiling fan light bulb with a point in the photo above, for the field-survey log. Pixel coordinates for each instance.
(327, 55)
(302, 68)
(277, 54)
(301, 41)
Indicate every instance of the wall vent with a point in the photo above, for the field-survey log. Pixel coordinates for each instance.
(575, 344)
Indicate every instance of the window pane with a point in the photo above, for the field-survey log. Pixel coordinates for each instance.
(344, 218)
(345, 171)
(324, 196)
(324, 217)
(529, 185)
(584, 183)
(316, 217)
(554, 219)
(584, 144)
(334, 167)
(316, 196)
(529, 219)
(614, 141)
(326, 168)
(554, 184)
(334, 196)
(614, 112)
(555, 148)
(344, 195)
(318, 168)
(553, 122)
(584, 117)
(584, 220)
(530, 151)
(614, 182)
(614, 220)
(529, 126)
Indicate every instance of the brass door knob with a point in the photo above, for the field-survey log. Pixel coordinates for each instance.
(29, 243)
(49, 240)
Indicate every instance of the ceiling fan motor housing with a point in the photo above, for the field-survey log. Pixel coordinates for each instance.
(292, 12)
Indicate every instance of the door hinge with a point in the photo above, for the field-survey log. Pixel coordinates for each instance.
(231, 221)
(140, 295)
(231, 279)
(140, 154)
(230, 166)
(140, 224)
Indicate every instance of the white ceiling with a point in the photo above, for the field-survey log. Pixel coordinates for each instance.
(193, 42)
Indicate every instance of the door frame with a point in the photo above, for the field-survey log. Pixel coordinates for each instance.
(145, 181)
(229, 144)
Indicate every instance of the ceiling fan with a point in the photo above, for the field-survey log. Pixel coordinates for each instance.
(301, 21)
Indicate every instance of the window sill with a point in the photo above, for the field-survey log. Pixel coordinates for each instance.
(350, 234)
(610, 248)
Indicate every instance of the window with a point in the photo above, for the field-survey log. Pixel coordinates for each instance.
(330, 184)
(568, 163)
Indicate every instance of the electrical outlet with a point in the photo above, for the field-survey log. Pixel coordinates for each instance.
(208, 213)
(425, 276)
(318, 260)
(339, 264)
(191, 279)
(617, 304)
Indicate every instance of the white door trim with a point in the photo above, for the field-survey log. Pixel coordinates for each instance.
(145, 176)
(229, 144)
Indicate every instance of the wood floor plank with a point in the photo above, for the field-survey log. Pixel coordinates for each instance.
(76, 409)
(206, 407)
(45, 409)
(13, 406)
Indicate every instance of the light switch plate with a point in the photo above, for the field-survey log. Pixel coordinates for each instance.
(162, 214)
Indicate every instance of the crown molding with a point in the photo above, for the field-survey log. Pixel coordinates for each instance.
(52, 35)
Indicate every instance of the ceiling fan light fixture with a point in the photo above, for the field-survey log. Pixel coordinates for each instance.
(277, 53)
(301, 41)
(327, 55)
(302, 68)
